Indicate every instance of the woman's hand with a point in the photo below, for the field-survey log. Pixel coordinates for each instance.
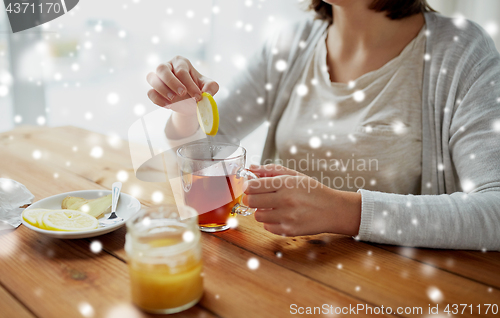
(290, 203)
(175, 81)
(178, 80)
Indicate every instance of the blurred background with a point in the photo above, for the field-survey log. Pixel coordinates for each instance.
(88, 67)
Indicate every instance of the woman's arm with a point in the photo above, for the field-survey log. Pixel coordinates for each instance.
(456, 221)
(292, 204)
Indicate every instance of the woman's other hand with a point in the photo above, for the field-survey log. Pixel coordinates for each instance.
(292, 204)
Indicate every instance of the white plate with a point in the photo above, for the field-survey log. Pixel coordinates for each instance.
(126, 208)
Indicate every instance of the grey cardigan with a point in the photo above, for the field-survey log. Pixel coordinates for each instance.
(459, 205)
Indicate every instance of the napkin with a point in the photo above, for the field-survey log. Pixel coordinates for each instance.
(13, 195)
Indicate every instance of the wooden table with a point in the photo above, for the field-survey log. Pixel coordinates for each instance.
(45, 277)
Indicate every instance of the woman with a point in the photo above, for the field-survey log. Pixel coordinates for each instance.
(405, 100)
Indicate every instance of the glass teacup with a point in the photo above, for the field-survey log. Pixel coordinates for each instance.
(212, 177)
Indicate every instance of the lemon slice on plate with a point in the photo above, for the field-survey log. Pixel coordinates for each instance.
(39, 219)
(69, 220)
(208, 115)
(32, 215)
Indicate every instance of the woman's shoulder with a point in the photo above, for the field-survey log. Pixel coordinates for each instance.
(454, 35)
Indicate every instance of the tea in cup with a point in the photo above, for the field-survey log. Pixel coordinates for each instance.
(212, 177)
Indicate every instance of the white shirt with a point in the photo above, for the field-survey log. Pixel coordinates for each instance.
(365, 134)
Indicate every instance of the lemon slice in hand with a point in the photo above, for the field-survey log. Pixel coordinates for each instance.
(32, 216)
(69, 220)
(208, 115)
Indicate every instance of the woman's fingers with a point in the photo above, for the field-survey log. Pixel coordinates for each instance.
(186, 79)
(270, 184)
(267, 216)
(182, 69)
(264, 200)
(264, 185)
(166, 73)
(209, 85)
(160, 87)
(272, 170)
(178, 80)
(157, 99)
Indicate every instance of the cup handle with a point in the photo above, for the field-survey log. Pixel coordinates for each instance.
(238, 207)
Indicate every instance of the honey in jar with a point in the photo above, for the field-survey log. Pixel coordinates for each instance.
(164, 260)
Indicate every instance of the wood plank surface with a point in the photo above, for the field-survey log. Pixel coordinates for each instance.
(64, 278)
(463, 263)
(52, 276)
(10, 307)
(226, 271)
(318, 269)
(60, 154)
(269, 289)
